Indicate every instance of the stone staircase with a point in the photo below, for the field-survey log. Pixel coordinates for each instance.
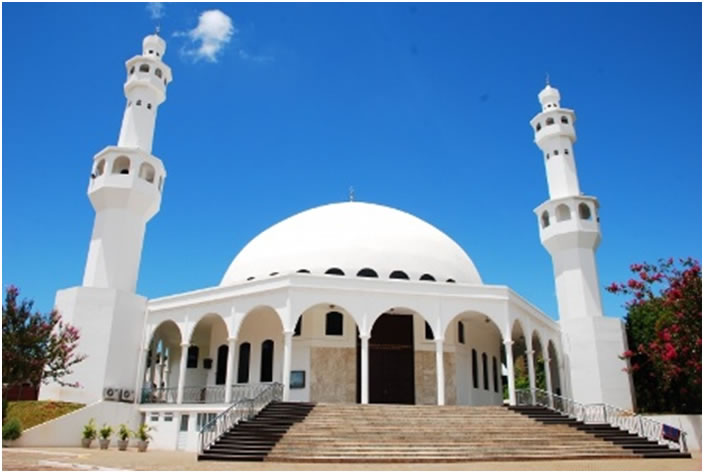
(638, 445)
(353, 433)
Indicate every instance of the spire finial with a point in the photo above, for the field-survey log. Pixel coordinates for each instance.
(547, 79)
(158, 28)
(351, 194)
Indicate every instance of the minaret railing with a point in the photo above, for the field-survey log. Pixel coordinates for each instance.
(601, 413)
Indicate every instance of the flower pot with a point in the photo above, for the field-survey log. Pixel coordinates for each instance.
(104, 444)
(122, 444)
(142, 445)
(85, 443)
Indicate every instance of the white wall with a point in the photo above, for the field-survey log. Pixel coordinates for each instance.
(691, 424)
(67, 430)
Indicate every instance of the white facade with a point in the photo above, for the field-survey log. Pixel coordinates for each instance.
(324, 299)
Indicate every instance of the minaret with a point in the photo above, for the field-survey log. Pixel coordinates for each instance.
(125, 189)
(127, 180)
(570, 231)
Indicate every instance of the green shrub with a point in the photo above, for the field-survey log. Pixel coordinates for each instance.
(11, 430)
(124, 433)
(89, 430)
(105, 431)
(142, 432)
(4, 409)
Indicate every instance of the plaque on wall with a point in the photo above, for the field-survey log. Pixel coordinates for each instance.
(298, 380)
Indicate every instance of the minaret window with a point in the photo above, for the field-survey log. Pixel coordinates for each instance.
(149, 106)
(100, 168)
(139, 102)
(562, 212)
(121, 165)
(584, 212)
(398, 275)
(335, 271)
(450, 280)
(550, 121)
(567, 151)
(157, 73)
(144, 68)
(132, 70)
(545, 219)
(427, 277)
(564, 120)
(556, 152)
(161, 181)
(146, 172)
(538, 127)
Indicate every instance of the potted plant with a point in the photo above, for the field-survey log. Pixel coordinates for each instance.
(123, 435)
(143, 436)
(105, 433)
(89, 433)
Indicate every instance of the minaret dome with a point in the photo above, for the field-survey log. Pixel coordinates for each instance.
(153, 45)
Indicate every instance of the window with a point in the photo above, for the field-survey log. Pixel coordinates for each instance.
(584, 212)
(550, 121)
(267, 368)
(538, 127)
(297, 330)
(192, 357)
(545, 219)
(475, 377)
(100, 168)
(184, 423)
(275, 273)
(146, 172)
(450, 280)
(243, 364)
(547, 155)
(151, 51)
(427, 277)
(460, 332)
(168, 416)
(149, 106)
(154, 417)
(333, 323)
(485, 369)
(303, 271)
(144, 68)
(398, 275)
(204, 418)
(335, 271)
(562, 212)
(132, 70)
(495, 373)
(161, 182)
(367, 273)
(221, 370)
(567, 151)
(556, 152)
(428, 331)
(564, 120)
(139, 102)
(157, 73)
(121, 165)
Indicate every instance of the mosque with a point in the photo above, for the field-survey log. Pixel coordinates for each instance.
(346, 303)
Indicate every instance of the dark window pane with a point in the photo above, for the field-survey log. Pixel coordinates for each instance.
(485, 368)
(475, 377)
(243, 364)
(192, 357)
(428, 331)
(267, 368)
(460, 332)
(297, 330)
(333, 323)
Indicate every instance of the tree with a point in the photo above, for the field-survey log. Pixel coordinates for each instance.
(664, 325)
(36, 348)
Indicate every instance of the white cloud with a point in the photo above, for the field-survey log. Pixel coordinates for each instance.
(156, 10)
(214, 31)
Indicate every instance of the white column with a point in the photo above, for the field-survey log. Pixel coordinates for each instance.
(141, 368)
(548, 379)
(182, 372)
(508, 348)
(440, 370)
(365, 369)
(286, 378)
(152, 364)
(531, 373)
(162, 367)
(229, 373)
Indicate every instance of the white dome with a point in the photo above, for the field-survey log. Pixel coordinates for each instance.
(352, 236)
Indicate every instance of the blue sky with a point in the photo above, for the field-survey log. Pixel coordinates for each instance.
(422, 107)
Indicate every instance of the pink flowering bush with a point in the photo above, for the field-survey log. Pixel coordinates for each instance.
(664, 327)
(36, 348)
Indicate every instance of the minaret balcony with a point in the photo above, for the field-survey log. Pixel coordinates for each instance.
(569, 222)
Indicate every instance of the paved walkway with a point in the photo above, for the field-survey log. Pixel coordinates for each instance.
(94, 459)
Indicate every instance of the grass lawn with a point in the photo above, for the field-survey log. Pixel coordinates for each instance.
(31, 413)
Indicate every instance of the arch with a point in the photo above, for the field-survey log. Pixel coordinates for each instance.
(398, 275)
(427, 277)
(554, 364)
(545, 219)
(144, 68)
(450, 280)
(584, 212)
(162, 360)
(157, 72)
(266, 367)
(243, 363)
(100, 168)
(367, 273)
(538, 360)
(121, 165)
(303, 271)
(564, 120)
(209, 322)
(221, 364)
(520, 362)
(146, 172)
(335, 272)
(550, 121)
(562, 212)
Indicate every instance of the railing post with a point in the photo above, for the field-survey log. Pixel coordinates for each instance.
(606, 417)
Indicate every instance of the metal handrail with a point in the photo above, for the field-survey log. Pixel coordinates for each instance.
(212, 394)
(242, 409)
(601, 413)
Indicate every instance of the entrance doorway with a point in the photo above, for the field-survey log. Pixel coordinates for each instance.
(391, 361)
